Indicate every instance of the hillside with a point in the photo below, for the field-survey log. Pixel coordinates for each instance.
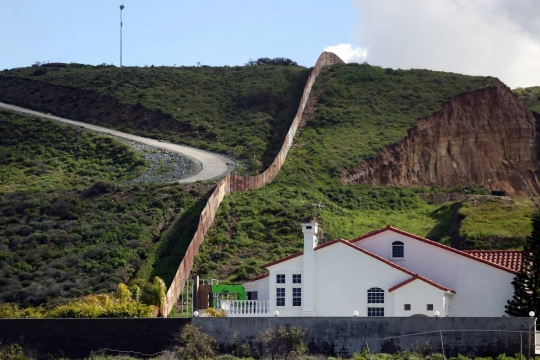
(356, 111)
(67, 225)
(243, 111)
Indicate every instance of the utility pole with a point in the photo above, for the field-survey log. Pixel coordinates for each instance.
(121, 8)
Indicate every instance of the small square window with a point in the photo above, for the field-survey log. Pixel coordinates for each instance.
(297, 297)
(407, 307)
(297, 278)
(280, 278)
(430, 307)
(280, 297)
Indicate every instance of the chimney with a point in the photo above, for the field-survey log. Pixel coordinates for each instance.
(308, 277)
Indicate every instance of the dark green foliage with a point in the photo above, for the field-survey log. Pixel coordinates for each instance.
(66, 227)
(360, 110)
(275, 61)
(39, 72)
(527, 281)
(243, 111)
(37, 154)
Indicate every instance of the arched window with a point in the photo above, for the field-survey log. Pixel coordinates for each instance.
(398, 249)
(375, 296)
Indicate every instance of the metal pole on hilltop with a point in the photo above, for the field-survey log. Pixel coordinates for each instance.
(121, 8)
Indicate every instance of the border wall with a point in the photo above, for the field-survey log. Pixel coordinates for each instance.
(77, 338)
(233, 182)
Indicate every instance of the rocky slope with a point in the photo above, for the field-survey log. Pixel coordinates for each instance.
(484, 137)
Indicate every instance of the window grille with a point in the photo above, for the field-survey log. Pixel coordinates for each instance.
(297, 297)
(407, 307)
(375, 296)
(280, 297)
(429, 307)
(375, 311)
(398, 249)
(280, 278)
(297, 278)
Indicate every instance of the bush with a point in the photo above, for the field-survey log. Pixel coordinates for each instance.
(39, 72)
(275, 61)
(12, 352)
(282, 341)
(211, 312)
(194, 344)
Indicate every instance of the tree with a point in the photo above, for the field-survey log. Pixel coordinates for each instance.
(527, 281)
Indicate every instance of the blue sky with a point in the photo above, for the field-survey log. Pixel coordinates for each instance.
(476, 37)
(167, 32)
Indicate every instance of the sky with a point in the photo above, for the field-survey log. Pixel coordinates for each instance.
(476, 37)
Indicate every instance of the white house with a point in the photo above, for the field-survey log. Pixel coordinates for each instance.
(387, 272)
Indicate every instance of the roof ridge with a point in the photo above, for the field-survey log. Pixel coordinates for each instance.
(424, 279)
(348, 243)
(434, 243)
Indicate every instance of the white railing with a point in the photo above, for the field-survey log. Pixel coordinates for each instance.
(246, 308)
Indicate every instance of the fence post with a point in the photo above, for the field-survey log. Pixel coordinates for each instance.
(442, 344)
(520, 345)
(368, 353)
(529, 345)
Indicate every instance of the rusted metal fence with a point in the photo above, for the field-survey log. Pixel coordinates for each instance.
(234, 182)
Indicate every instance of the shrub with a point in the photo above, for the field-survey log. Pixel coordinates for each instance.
(12, 352)
(194, 344)
(282, 341)
(211, 312)
(39, 72)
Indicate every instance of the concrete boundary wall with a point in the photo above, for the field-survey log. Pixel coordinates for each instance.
(233, 182)
(344, 336)
(76, 338)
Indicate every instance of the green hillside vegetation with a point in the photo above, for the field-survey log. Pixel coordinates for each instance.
(359, 110)
(530, 97)
(41, 155)
(244, 111)
(66, 227)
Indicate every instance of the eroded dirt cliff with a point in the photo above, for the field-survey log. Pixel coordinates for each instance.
(485, 137)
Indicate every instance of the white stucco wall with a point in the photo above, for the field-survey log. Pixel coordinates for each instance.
(481, 290)
(261, 286)
(343, 276)
(419, 294)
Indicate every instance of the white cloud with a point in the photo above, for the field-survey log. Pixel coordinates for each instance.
(477, 37)
(348, 53)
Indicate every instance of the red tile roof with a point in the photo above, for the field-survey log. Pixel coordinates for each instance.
(510, 259)
(434, 243)
(426, 280)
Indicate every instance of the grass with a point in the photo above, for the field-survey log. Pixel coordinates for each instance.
(530, 97)
(496, 223)
(359, 110)
(38, 154)
(243, 111)
(66, 227)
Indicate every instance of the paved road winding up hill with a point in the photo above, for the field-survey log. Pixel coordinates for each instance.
(209, 166)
